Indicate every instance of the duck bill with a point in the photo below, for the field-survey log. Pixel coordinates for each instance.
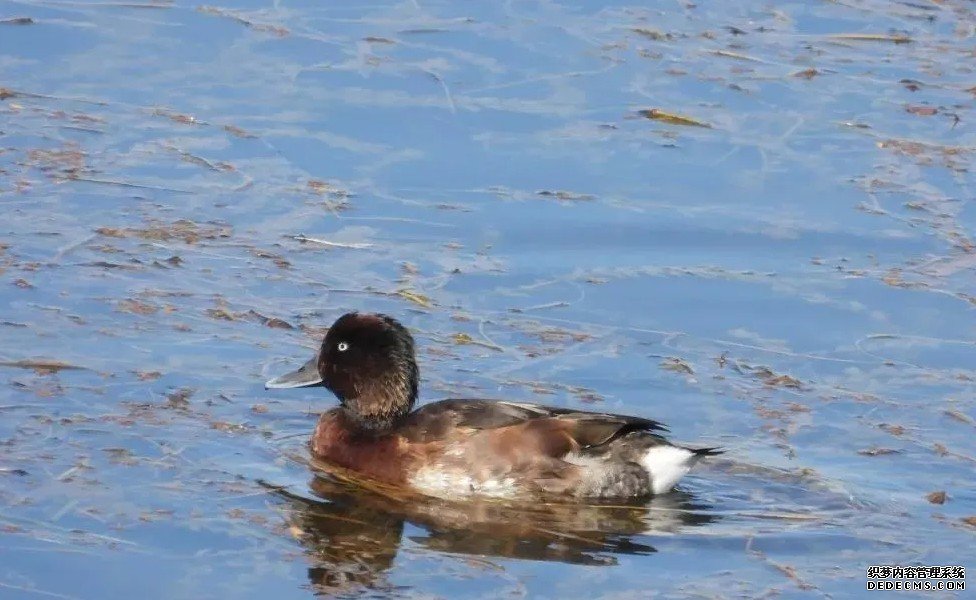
(306, 376)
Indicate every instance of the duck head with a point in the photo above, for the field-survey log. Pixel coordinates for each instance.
(367, 361)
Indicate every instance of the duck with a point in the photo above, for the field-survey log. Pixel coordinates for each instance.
(457, 448)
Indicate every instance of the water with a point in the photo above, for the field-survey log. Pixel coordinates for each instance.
(793, 282)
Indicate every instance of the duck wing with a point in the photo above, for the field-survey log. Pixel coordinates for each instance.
(444, 419)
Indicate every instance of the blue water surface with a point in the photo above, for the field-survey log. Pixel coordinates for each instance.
(782, 265)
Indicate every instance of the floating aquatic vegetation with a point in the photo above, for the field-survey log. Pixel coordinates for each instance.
(656, 114)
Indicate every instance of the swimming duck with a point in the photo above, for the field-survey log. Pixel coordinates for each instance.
(455, 448)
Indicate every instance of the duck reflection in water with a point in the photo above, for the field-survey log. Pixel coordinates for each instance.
(353, 529)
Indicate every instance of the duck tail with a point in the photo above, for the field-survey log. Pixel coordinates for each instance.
(715, 451)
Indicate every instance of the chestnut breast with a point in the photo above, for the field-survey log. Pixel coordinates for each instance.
(386, 457)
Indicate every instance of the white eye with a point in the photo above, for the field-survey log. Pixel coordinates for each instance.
(342, 346)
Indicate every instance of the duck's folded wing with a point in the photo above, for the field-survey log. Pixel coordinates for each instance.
(587, 429)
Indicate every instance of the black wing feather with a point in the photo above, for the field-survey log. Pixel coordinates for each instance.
(436, 420)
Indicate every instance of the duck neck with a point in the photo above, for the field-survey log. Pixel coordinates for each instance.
(369, 419)
(381, 405)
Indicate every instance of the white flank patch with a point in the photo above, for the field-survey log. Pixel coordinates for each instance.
(452, 484)
(667, 464)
